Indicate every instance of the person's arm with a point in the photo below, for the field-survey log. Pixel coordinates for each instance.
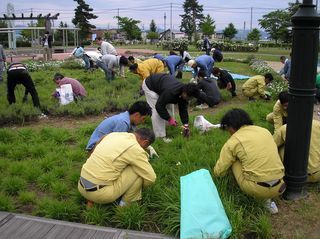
(277, 116)
(143, 168)
(183, 111)
(225, 160)
(161, 105)
(261, 85)
(279, 136)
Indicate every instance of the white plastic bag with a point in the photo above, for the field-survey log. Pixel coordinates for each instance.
(66, 94)
(203, 125)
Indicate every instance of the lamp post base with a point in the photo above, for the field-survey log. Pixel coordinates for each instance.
(294, 196)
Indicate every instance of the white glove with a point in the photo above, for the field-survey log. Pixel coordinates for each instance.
(152, 152)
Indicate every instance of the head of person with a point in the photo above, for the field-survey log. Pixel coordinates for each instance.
(172, 53)
(57, 77)
(46, 33)
(123, 61)
(234, 119)
(268, 78)
(192, 63)
(190, 90)
(201, 74)
(216, 71)
(99, 40)
(145, 137)
(131, 59)
(284, 99)
(139, 111)
(282, 59)
(133, 68)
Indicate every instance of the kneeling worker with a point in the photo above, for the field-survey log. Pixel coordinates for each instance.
(252, 155)
(118, 167)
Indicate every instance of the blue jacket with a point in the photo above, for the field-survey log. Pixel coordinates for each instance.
(173, 62)
(204, 62)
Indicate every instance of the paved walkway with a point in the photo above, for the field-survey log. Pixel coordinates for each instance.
(17, 226)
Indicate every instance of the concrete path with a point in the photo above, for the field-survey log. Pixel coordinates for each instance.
(17, 226)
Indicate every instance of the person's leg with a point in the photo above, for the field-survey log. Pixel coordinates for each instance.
(86, 60)
(11, 84)
(107, 72)
(158, 124)
(210, 68)
(233, 88)
(49, 53)
(1, 70)
(269, 118)
(29, 85)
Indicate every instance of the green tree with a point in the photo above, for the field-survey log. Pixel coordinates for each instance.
(58, 34)
(130, 27)
(254, 35)
(26, 33)
(276, 24)
(107, 35)
(230, 31)
(153, 27)
(207, 26)
(82, 15)
(191, 18)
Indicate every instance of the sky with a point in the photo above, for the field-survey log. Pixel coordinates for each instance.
(223, 12)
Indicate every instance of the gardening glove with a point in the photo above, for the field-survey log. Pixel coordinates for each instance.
(186, 130)
(152, 153)
(172, 122)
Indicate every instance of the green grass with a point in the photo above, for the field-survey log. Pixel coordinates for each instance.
(40, 165)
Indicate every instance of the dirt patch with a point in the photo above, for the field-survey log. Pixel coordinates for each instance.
(298, 219)
(275, 65)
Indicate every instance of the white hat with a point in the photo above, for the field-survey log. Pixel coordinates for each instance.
(191, 63)
(213, 49)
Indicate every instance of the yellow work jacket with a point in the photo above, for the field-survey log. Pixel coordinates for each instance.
(314, 150)
(278, 114)
(112, 155)
(148, 67)
(255, 82)
(254, 147)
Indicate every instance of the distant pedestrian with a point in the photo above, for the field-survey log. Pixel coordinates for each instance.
(206, 46)
(47, 46)
(285, 71)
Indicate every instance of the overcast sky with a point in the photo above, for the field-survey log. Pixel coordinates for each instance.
(222, 11)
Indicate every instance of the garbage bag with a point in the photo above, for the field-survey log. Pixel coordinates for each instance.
(202, 212)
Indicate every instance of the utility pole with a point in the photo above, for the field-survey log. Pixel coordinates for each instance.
(244, 29)
(251, 19)
(305, 25)
(170, 21)
(118, 17)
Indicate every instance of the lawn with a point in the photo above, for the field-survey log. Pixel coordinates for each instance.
(40, 162)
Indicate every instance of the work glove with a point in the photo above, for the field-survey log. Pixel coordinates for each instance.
(152, 153)
(172, 122)
(186, 130)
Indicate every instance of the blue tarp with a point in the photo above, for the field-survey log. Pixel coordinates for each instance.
(202, 212)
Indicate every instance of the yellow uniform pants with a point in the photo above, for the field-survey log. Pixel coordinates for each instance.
(128, 185)
(250, 92)
(312, 178)
(252, 188)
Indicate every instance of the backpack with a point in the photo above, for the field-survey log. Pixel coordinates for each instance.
(217, 55)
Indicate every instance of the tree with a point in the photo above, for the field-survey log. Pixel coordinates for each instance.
(153, 27)
(207, 25)
(191, 18)
(58, 34)
(26, 33)
(230, 31)
(130, 27)
(254, 35)
(3, 37)
(82, 15)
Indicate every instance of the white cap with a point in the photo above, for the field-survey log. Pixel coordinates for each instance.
(213, 49)
(191, 63)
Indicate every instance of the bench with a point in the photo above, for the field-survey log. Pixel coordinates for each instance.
(58, 50)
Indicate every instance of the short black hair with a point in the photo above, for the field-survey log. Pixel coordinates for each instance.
(283, 97)
(123, 61)
(191, 89)
(47, 32)
(133, 67)
(58, 76)
(98, 38)
(216, 71)
(235, 118)
(172, 53)
(141, 107)
(202, 73)
(283, 58)
(131, 58)
(268, 76)
(146, 134)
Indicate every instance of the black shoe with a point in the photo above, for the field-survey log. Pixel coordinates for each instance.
(252, 99)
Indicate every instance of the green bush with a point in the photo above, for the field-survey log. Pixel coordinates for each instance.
(176, 44)
(230, 46)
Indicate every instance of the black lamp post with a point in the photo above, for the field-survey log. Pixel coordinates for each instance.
(304, 60)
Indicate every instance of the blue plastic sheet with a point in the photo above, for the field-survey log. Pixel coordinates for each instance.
(202, 212)
(238, 76)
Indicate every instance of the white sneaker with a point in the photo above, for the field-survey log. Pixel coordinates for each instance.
(271, 206)
(166, 140)
(43, 116)
(202, 106)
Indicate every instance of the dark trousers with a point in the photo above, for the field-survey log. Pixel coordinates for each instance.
(223, 85)
(318, 95)
(209, 100)
(20, 76)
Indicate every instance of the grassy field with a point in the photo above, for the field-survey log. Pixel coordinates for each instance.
(40, 162)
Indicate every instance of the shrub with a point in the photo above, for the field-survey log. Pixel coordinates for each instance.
(12, 185)
(176, 44)
(230, 46)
